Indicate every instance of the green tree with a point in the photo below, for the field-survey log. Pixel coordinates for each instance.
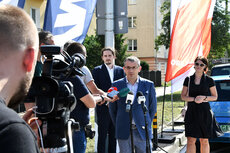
(164, 37)
(121, 49)
(144, 65)
(220, 31)
(94, 44)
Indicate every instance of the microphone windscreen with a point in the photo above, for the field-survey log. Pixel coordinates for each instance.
(139, 93)
(123, 92)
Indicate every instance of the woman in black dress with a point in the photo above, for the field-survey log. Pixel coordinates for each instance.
(199, 120)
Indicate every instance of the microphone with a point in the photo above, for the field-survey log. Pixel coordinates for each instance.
(113, 91)
(141, 100)
(123, 92)
(79, 60)
(129, 101)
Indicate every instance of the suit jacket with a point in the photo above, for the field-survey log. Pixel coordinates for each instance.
(101, 76)
(120, 117)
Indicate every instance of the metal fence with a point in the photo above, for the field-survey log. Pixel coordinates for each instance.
(154, 76)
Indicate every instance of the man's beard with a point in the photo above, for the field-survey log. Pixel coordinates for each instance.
(108, 63)
(21, 92)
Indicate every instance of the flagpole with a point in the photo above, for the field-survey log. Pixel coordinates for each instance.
(164, 139)
(172, 111)
(163, 108)
(173, 130)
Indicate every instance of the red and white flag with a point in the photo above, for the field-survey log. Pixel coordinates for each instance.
(190, 37)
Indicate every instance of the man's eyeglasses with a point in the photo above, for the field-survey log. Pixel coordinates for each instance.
(131, 68)
(201, 65)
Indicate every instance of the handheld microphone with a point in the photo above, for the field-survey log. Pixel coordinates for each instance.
(113, 91)
(123, 92)
(129, 101)
(141, 100)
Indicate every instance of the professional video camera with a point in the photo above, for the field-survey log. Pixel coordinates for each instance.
(54, 97)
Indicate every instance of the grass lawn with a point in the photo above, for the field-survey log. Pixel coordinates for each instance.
(177, 106)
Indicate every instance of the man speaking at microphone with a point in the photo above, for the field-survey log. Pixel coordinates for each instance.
(119, 111)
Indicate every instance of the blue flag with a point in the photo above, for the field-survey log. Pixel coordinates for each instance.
(18, 3)
(68, 19)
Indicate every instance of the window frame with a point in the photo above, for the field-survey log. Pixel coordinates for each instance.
(35, 18)
(133, 45)
(132, 18)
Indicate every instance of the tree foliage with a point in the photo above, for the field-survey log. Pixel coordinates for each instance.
(121, 49)
(144, 65)
(94, 44)
(164, 37)
(220, 32)
(220, 40)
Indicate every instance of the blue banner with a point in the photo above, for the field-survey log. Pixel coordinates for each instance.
(68, 19)
(18, 3)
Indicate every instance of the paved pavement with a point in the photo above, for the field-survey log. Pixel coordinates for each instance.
(165, 143)
(180, 140)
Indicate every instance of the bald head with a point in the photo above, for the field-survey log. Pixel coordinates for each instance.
(17, 29)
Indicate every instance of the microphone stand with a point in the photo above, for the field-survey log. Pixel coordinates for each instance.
(131, 130)
(144, 108)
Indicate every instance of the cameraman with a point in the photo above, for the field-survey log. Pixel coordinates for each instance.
(18, 53)
(81, 111)
(45, 38)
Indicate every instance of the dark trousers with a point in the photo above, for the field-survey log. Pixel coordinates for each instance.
(105, 126)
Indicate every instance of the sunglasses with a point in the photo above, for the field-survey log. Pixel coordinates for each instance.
(201, 65)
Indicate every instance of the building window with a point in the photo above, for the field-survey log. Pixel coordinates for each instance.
(132, 2)
(132, 22)
(132, 45)
(35, 15)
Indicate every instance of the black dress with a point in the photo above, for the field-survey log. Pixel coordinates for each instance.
(199, 119)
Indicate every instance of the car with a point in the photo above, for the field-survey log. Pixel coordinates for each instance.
(221, 69)
(221, 107)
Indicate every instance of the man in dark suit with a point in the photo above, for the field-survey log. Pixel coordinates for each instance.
(104, 75)
(121, 118)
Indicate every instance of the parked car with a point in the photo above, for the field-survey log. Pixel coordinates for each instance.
(221, 69)
(221, 107)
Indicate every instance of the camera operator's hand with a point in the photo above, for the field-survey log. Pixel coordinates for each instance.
(30, 119)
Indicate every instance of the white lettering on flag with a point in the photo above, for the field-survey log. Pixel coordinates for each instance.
(191, 37)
